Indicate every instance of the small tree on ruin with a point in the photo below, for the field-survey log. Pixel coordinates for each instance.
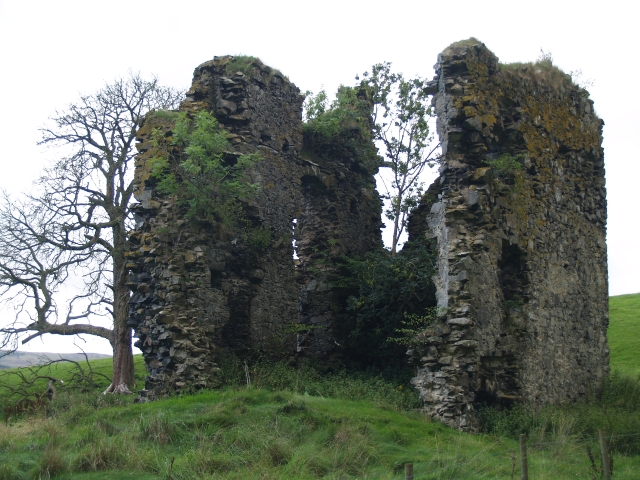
(401, 127)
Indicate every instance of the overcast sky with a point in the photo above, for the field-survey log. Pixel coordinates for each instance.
(50, 51)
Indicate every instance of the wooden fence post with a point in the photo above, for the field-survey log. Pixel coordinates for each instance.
(408, 471)
(604, 451)
(523, 457)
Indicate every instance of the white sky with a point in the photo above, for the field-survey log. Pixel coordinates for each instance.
(50, 51)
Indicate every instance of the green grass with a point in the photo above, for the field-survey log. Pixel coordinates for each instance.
(251, 433)
(624, 334)
(298, 424)
(102, 368)
(241, 63)
(469, 42)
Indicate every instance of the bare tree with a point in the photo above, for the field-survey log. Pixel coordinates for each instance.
(35, 278)
(19, 387)
(86, 196)
(32, 273)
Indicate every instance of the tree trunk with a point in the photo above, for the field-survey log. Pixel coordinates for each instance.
(123, 377)
(122, 360)
(394, 246)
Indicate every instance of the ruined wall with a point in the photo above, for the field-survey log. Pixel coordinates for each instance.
(522, 261)
(200, 292)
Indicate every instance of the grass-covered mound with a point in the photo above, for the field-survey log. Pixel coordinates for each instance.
(367, 430)
(251, 433)
(273, 421)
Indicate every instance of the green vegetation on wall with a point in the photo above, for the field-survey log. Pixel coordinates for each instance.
(195, 166)
(469, 42)
(345, 122)
(248, 65)
(506, 164)
(543, 71)
(240, 63)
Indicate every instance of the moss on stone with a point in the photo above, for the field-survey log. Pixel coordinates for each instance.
(469, 42)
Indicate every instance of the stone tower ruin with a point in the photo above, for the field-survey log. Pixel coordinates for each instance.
(518, 215)
(197, 293)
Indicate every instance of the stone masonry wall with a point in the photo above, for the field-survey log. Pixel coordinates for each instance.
(522, 260)
(199, 291)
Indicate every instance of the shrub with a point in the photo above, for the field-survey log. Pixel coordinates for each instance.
(257, 239)
(505, 164)
(386, 292)
(412, 325)
(345, 114)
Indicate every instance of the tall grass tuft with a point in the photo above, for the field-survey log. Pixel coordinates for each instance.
(10, 471)
(615, 409)
(156, 428)
(388, 389)
(53, 462)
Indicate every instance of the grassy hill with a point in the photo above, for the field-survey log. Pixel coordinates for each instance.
(300, 424)
(624, 333)
(245, 433)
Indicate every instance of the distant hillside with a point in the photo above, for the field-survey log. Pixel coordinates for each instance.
(25, 359)
(624, 333)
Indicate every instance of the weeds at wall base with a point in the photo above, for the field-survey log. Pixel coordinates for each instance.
(615, 409)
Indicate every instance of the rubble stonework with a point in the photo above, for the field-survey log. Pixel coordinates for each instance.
(522, 261)
(199, 291)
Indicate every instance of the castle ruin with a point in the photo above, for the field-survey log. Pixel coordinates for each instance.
(521, 256)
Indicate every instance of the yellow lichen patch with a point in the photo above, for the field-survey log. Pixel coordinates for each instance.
(489, 120)
(470, 111)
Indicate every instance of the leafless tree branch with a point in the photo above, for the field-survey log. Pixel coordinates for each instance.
(74, 225)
